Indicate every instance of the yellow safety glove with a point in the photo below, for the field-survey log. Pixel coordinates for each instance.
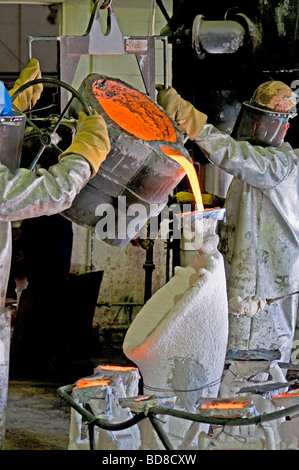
(190, 119)
(184, 197)
(91, 140)
(31, 94)
(209, 200)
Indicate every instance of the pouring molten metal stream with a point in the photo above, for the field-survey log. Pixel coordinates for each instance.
(191, 173)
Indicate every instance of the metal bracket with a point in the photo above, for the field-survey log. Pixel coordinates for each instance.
(95, 42)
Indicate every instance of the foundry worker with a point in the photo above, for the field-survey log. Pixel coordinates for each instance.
(260, 238)
(24, 194)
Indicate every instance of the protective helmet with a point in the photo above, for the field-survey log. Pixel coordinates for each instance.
(264, 120)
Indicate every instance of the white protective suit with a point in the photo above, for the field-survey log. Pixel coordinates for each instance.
(24, 194)
(260, 238)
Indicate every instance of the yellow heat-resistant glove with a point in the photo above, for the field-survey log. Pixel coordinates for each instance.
(31, 94)
(190, 119)
(91, 140)
(209, 200)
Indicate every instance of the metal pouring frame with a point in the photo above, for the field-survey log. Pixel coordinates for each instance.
(112, 42)
(153, 414)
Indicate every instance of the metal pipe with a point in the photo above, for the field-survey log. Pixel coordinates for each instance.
(159, 430)
(152, 413)
(65, 391)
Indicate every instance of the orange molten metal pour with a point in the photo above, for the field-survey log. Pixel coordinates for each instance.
(133, 112)
(191, 173)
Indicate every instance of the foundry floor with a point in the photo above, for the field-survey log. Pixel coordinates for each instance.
(36, 417)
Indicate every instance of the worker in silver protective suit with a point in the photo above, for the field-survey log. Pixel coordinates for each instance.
(24, 194)
(260, 237)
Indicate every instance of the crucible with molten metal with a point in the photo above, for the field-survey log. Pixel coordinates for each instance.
(136, 170)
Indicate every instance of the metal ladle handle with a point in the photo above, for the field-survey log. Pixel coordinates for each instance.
(48, 139)
(73, 91)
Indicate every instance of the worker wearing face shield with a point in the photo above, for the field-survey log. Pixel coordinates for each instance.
(260, 238)
(24, 194)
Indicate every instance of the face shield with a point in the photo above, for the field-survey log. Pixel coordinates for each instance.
(12, 130)
(260, 126)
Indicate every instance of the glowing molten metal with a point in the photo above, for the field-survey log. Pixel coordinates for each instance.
(84, 383)
(139, 116)
(223, 406)
(133, 112)
(190, 171)
(117, 368)
(291, 394)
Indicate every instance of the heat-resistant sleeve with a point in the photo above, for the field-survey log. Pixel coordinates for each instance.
(263, 167)
(25, 194)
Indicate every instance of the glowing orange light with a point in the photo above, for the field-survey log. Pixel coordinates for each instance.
(139, 116)
(84, 383)
(117, 368)
(133, 112)
(191, 173)
(223, 406)
(287, 395)
(226, 404)
(144, 397)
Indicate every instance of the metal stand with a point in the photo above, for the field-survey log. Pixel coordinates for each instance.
(152, 414)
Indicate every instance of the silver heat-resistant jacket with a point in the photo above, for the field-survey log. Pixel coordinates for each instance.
(24, 194)
(260, 238)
